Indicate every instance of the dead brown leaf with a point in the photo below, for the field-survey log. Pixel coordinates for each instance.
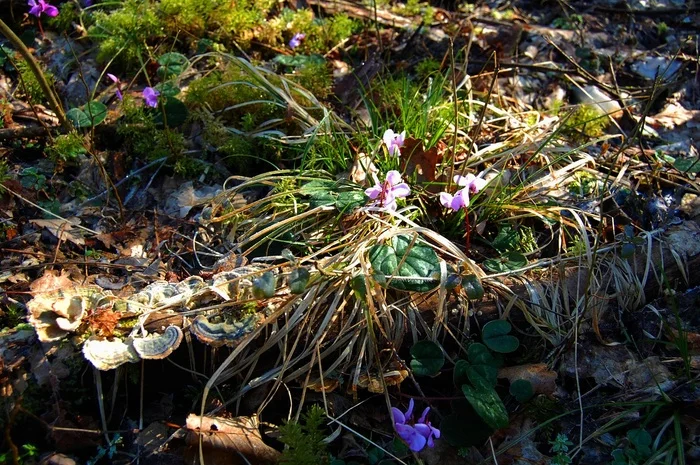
(416, 160)
(62, 229)
(223, 439)
(103, 322)
(51, 281)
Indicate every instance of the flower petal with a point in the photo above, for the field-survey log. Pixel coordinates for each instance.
(436, 432)
(477, 184)
(114, 78)
(446, 199)
(424, 415)
(388, 138)
(409, 412)
(399, 418)
(393, 177)
(51, 11)
(401, 190)
(390, 204)
(373, 192)
(463, 195)
(422, 429)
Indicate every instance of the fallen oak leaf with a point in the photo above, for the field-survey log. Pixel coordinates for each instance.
(415, 160)
(223, 438)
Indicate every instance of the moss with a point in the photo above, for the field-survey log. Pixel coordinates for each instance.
(30, 87)
(586, 122)
(315, 77)
(426, 68)
(70, 13)
(125, 33)
(66, 148)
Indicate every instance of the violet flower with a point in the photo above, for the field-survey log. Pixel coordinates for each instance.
(150, 95)
(470, 185)
(418, 434)
(40, 6)
(389, 191)
(116, 80)
(296, 40)
(394, 141)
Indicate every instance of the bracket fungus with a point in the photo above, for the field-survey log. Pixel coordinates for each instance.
(158, 346)
(219, 334)
(57, 313)
(106, 354)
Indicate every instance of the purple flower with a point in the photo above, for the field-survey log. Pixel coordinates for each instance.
(389, 191)
(417, 435)
(470, 185)
(116, 80)
(40, 6)
(394, 141)
(150, 95)
(296, 40)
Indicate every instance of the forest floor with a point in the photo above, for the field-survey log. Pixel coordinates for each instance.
(206, 258)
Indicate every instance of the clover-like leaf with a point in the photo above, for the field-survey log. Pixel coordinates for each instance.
(496, 337)
(510, 261)
(486, 402)
(428, 358)
(298, 279)
(88, 116)
(406, 258)
(172, 64)
(264, 286)
(522, 390)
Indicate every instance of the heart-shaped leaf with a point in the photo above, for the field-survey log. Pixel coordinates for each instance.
(348, 201)
(510, 261)
(522, 390)
(406, 258)
(297, 61)
(298, 279)
(687, 165)
(264, 286)
(486, 402)
(175, 113)
(172, 64)
(428, 358)
(473, 288)
(167, 89)
(88, 116)
(496, 337)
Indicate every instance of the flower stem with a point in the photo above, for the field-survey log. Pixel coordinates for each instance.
(468, 233)
(52, 98)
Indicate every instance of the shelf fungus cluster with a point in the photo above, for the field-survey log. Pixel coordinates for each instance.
(149, 324)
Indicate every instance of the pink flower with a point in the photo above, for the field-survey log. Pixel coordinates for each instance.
(39, 7)
(418, 435)
(390, 190)
(150, 95)
(296, 40)
(470, 185)
(394, 141)
(116, 80)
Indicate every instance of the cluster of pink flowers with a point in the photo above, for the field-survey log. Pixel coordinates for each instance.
(36, 8)
(416, 434)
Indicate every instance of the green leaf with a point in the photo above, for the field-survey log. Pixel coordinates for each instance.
(506, 239)
(264, 286)
(641, 440)
(627, 250)
(687, 165)
(486, 402)
(175, 113)
(461, 375)
(482, 363)
(297, 61)
(321, 199)
(172, 64)
(348, 201)
(510, 261)
(416, 259)
(298, 279)
(167, 89)
(496, 337)
(318, 186)
(357, 284)
(88, 116)
(428, 358)
(522, 390)
(473, 288)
